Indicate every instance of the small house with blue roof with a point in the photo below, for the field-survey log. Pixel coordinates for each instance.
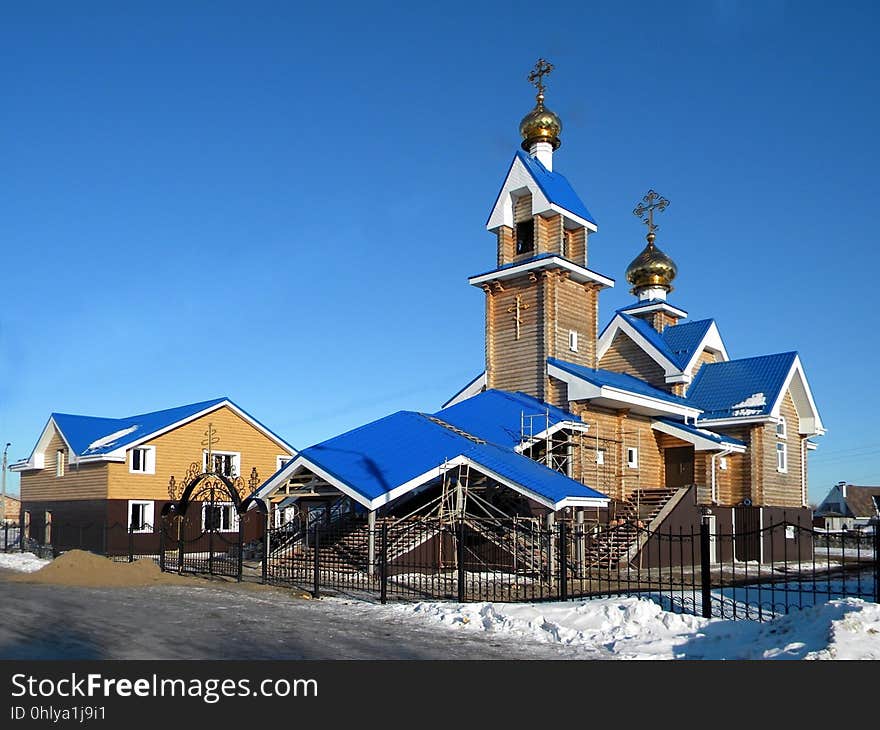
(97, 478)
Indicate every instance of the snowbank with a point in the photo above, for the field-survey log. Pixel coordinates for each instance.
(636, 628)
(22, 562)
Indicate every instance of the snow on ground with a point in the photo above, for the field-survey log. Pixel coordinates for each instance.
(637, 628)
(22, 562)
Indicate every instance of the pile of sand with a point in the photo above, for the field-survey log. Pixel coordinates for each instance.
(80, 568)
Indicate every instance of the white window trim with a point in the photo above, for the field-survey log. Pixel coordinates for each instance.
(150, 460)
(600, 457)
(233, 525)
(59, 463)
(632, 457)
(782, 422)
(149, 514)
(573, 340)
(280, 461)
(236, 460)
(783, 467)
(722, 463)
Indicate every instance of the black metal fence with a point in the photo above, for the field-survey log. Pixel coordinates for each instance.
(749, 574)
(756, 574)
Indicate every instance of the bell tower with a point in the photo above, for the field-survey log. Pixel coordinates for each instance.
(541, 297)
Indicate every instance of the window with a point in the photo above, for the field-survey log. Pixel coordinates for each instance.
(280, 461)
(573, 340)
(525, 236)
(220, 517)
(632, 457)
(600, 457)
(140, 516)
(722, 463)
(781, 429)
(59, 463)
(143, 460)
(781, 458)
(226, 463)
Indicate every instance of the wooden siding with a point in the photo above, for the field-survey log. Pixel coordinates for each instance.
(782, 489)
(548, 234)
(625, 356)
(576, 246)
(705, 357)
(87, 481)
(511, 363)
(506, 245)
(614, 432)
(660, 320)
(573, 309)
(177, 449)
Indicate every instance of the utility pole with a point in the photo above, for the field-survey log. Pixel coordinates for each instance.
(3, 480)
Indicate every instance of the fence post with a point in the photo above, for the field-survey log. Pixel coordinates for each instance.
(877, 561)
(563, 563)
(316, 546)
(5, 536)
(383, 566)
(240, 546)
(705, 565)
(265, 566)
(131, 542)
(460, 560)
(162, 544)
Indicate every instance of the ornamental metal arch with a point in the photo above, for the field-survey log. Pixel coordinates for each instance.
(212, 487)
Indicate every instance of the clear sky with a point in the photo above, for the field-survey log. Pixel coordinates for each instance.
(281, 202)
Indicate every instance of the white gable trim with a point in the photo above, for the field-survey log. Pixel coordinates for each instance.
(579, 426)
(580, 389)
(284, 475)
(810, 423)
(655, 306)
(37, 458)
(711, 341)
(475, 387)
(518, 179)
(619, 324)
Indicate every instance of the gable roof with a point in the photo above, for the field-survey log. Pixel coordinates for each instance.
(651, 335)
(862, 501)
(556, 187)
(551, 192)
(683, 340)
(93, 437)
(697, 436)
(741, 388)
(380, 461)
(499, 416)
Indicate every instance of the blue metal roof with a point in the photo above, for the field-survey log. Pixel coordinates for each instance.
(380, 456)
(496, 416)
(555, 187)
(651, 335)
(702, 432)
(684, 339)
(642, 303)
(746, 387)
(94, 436)
(620, 381)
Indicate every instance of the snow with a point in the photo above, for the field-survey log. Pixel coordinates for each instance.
(22, 562)
(637, 628)
(110, 438)
(753, 401)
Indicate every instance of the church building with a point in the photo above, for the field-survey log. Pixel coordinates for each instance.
(645, 420)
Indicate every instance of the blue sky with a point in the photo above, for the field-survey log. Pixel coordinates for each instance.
(282, 203)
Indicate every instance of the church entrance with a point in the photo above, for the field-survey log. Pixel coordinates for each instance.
(679, 466)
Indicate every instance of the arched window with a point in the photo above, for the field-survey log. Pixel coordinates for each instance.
(781, 428)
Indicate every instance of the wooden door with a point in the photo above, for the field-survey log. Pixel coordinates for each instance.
(679, 466)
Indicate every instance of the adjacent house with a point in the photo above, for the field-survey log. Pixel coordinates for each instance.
(848, 506)
(94, 474)
(12, 509)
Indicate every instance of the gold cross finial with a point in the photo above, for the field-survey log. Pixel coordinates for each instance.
(645, 210)
(542, 68)
(208, 442)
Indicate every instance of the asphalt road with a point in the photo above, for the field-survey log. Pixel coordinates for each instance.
(229, 621)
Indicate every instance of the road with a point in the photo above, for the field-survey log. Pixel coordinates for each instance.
(209, 620)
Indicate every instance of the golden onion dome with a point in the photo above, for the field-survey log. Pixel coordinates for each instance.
(540, 125)
(651, 268)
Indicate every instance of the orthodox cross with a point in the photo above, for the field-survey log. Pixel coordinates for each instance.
(208, 442)
(516, 308)
(645, 210)
(537, 74)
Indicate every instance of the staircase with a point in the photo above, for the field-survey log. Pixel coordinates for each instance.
(609, 546)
